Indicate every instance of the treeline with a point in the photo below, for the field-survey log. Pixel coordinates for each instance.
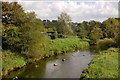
(101, 34)
(24, 33)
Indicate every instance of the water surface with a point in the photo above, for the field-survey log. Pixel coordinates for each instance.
(72, 67)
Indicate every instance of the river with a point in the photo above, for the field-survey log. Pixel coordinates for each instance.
(72, 67)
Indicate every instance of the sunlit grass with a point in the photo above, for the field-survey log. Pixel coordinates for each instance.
(11, 60)
(65, 45)
(104, 65)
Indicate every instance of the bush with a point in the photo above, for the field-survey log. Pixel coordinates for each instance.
(53, 35)
(103, 44)
(62, 36)
(10, 38)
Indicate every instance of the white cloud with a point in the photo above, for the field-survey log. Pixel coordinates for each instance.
(78, 10)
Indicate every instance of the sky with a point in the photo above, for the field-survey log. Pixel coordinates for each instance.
(79, 10)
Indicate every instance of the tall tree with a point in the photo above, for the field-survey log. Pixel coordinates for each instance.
(117, 37)
(96, 34)
(111, 26)
(23, 32)
(65, 26)
(31, 36)
(83, 31)
(13, 13)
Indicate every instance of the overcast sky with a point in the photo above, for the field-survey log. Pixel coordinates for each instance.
(79, 11)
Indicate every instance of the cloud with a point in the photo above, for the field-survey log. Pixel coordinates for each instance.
(78, 10)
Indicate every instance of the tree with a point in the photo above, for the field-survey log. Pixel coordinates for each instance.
(64, 24)
(83, 31)
(10, 38)
(117, 39)
(31, 37)
(111, 27)
(96, 34)
(13, 13)
(22, 31)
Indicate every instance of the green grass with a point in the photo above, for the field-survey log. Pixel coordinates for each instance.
(65, 45)
(11, 60)
(0, 63)
(104, 65)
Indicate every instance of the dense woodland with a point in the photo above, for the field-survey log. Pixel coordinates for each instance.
(26, 36)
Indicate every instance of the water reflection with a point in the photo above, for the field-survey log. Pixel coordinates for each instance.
(72, 67)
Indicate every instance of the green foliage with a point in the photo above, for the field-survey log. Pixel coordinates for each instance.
(117, 39)
(53, 35)
(23, 34)
(104, 65)
(11, 60)
(65, 45)
(96, 34)
(50, 24)
(13, 13)
(10, 38)
(0, 64)
(40, 50)
(32, 38)
(84, 29)
(83, 32)
(65, 24)
(103, 44)
(111, 27)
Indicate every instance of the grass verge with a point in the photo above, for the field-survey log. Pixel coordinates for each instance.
(11, 61)
(104, 65)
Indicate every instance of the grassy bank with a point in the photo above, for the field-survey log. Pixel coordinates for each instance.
(104, 65)
(58, 46)
(11, 60)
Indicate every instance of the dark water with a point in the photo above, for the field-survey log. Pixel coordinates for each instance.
(72, 67)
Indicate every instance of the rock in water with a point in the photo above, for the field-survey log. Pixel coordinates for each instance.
(36, 66)
(15, 78)
(54, 64)
(83, 55)
(63, 59)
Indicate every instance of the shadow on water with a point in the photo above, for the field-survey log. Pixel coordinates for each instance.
(29, 70)
(72, 67)
(94, 50)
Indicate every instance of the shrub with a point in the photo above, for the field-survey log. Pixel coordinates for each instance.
(103, 44)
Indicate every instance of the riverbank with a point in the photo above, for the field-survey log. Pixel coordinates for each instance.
(104, 65)
(71, 67)
(12, 61)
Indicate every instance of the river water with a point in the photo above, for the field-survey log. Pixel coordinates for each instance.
(72, 67)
